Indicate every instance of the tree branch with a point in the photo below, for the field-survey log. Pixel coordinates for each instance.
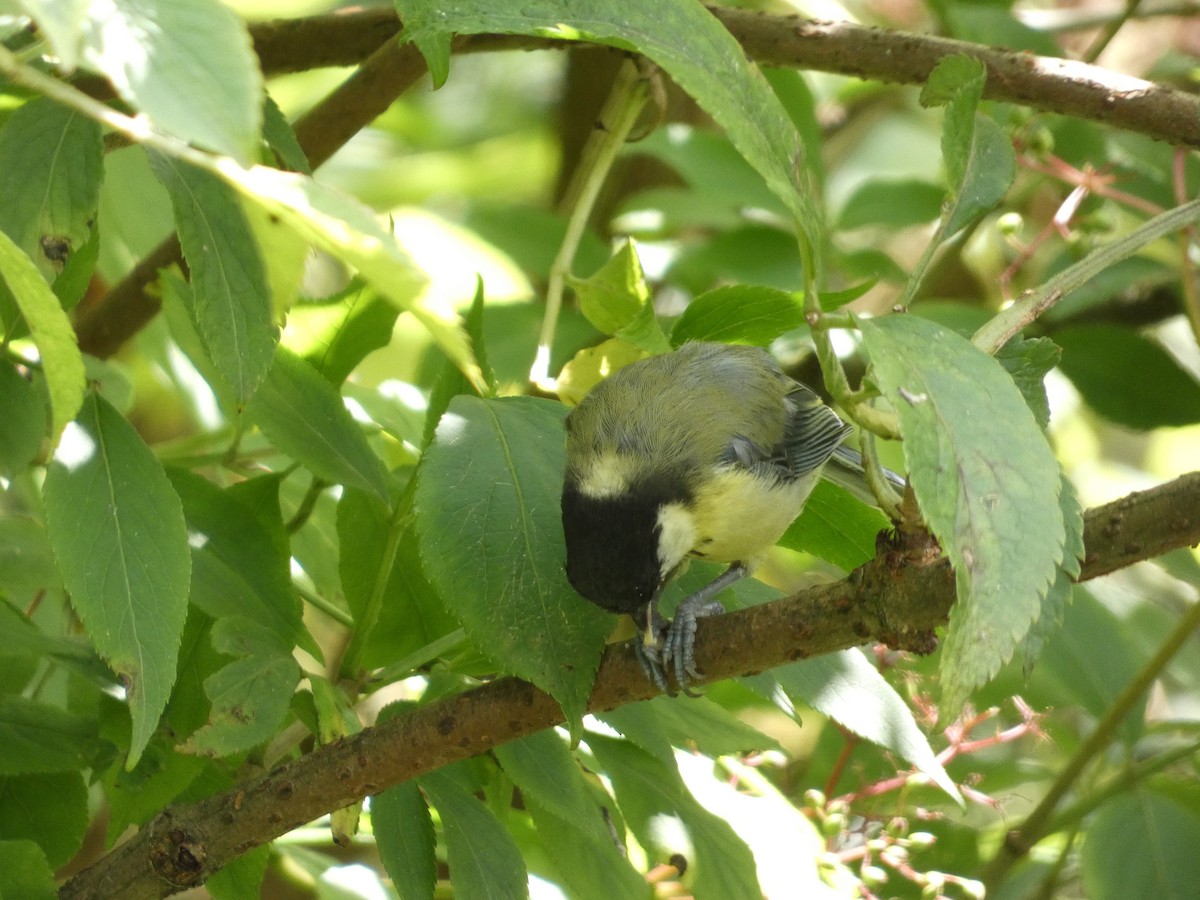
(899, 598)
(1050, 84)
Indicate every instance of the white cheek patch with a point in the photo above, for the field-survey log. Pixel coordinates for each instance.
(676, 538)
(607, 476)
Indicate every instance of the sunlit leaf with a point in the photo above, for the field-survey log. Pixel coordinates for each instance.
(187, 64)
(739, 314)
(62, 362)
(848, 689)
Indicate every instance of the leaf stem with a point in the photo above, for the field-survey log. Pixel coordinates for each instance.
(418, 658)
(402, 517)
(1110, 31)
(1036, 826)
(1127, 779)
(1010, 321)
(889, 500)
(617, 118)
(332, 610)
(307, 504)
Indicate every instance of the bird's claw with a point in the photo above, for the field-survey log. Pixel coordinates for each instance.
(649, 657)
(679, 644)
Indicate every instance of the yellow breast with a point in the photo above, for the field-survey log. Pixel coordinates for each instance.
(740, 516)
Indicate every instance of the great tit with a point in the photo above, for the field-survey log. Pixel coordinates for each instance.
(707, 452)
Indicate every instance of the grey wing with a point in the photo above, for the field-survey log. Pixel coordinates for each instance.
(813, 433)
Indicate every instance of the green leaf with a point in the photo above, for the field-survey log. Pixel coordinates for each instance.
(846, 687)
(751, 254)
(991, 168)
(409, 612)
(241, 878)
(346, 229)
(1128, 378)
(721, 183)
(51, 164)
(134, 797)
(1141, 845)
(62, 22)
(240, 563)
(1054, 604)
(404, 835)
(436, 50)
(186, 64)
(739, 314)
(50, 810)
(1092, 660)
(251, 695)
(491, 542)
(956, 82)
(24, 872)
(666, 819)
(836, 527)
(337, 334)
(24, 418)
(230, 304)
(709, 65)
(547, 772)
(26, 564)
(23, 640)
(979, 158)
(891, 204)
(303, 415)
(37, 737)
(703, 725)
(336, 717)
(121, 543)
(76, 276)
(62, 362)
(1028, 361)
(450, 381)
(617, 301)
(484, 860)
(588, 869)
(278, 133)
(987, 485)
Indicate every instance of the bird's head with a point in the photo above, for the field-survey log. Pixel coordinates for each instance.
(622, 547)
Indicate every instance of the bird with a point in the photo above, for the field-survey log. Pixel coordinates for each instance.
(706, 452)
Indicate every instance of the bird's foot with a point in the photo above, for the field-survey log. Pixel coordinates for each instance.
(679, 645)
(648, 647)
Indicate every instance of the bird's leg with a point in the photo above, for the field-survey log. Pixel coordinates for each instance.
(680, 642)
(652, 635)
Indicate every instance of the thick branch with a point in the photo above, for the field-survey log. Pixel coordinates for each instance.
(1047, 83)
(900, 597)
